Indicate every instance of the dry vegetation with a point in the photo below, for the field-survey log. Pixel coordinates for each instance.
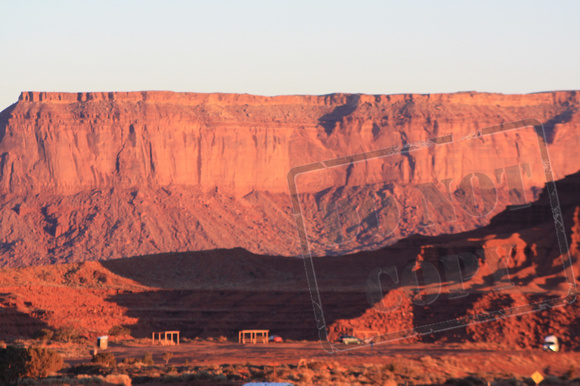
(44, 366)
(315, 373)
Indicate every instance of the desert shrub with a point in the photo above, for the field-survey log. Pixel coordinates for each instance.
(43, 362)
(390, 367)
(202, 378)
(60, 381)
(167, 357)
(44, 334)
(13, 362)
(84, 369)
(222, 339)
(148, 359)
(467, 381)
(67, 334)
(129, 361)
(119, 331)
(140, 379)
(257, 372)
(554, 380)
(105, 359)
(234, 377)
(202, 375)
(317, 365)
(571, 372)
(100, 277)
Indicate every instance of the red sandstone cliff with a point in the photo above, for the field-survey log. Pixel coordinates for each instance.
(75, 142)
(102, 175)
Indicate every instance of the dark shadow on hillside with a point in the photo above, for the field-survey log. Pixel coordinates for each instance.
(550, 125)
(356, 269)
(4, 116)
(212, 293)
(15, 324)
(213, 313)
(329, 121)
(214, 269)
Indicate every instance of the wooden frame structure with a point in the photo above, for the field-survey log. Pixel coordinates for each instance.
(168, 337)
(255, 336)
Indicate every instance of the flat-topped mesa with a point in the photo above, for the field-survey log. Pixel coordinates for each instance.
(163, 97)
(70, 142)
(99, 175)
(188, 98)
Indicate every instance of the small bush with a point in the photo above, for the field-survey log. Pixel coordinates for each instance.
(148, 359)
(105, 359)
(571, 372)
(67, 334)
(131, 361)
(13, 362)
(45, 334)
(119, 331)
(84, 369)
(43, 362)
(467, 381)
(391, 367)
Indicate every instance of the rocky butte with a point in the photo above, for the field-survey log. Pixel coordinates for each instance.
(96, 176)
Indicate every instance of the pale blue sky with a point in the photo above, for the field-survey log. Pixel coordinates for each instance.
(289, 47)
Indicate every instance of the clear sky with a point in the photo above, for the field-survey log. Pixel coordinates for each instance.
(289, 47)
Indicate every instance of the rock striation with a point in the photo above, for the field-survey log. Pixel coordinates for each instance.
(87, 176)
(68, 143)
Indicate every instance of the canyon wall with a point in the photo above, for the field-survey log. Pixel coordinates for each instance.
(87, 176)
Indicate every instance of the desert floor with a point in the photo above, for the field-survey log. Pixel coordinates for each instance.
(419, 362)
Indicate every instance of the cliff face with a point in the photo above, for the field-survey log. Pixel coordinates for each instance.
(69, 143)
(103, 175)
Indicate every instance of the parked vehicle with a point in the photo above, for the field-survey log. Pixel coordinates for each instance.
(276, 339)
(551, 343)
(349, 339)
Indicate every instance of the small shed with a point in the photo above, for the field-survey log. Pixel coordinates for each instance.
(103, 342)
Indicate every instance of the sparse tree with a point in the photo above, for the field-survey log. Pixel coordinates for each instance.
(43, 362)
(167, 357)
(119, 331)
(66, 334)
(105, 359)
